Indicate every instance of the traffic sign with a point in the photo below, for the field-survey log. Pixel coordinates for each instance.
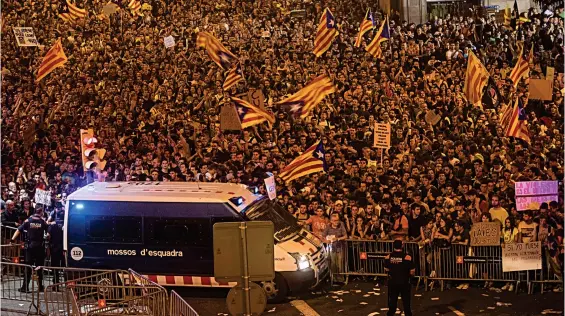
(229, 247)
(235, 301)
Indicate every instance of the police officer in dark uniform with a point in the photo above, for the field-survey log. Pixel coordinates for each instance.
(35, 227)
(400, 268)
(56, 221)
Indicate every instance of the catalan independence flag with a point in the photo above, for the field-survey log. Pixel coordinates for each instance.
(312, 160)
(219, 54)
(135, 7)
(250, 115)
(54, 58)
(327, 31)
(521, 68)
(367, 25)
(475, 79)
(302, 102)
(374, 48)
(517, 125)
(234, 76)
(72, 13)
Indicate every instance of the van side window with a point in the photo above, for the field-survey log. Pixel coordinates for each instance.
(179, 231)
(114, 229)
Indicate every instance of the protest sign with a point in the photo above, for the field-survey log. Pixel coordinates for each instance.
(229, 120)
(169, 41)
(521, 256)
(255, 97)
(42, 197)
(25, 36)
(530, 194)
(485, 234)
(540, 89)
(432, 118)
(110, 8)
(382, 135)
(271, 187)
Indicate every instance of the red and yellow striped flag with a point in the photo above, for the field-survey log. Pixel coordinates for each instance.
(74, 13)
(312, 160)
(250, 115)
(54, 58)
(521, 69)
(135, 7)
(219, 54)
(327, 31)
(234, 76)
(475, 79)
(374, 48)
(367, 25)
(304, 101)
(517, 124)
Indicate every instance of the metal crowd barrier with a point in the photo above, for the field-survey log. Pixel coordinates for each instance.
(12, 299)
(468, 263)
(178, 306)
(108, 292)
(366, 258)
(457, 262)
(547, 274)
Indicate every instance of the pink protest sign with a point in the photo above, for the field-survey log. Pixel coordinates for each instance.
(530, 194)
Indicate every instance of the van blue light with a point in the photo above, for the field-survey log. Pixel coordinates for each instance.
(80, 206)
(237, 200)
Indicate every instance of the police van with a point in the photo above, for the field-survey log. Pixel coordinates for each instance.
(164, 231)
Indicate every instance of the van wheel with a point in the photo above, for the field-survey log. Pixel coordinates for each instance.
(275, 290)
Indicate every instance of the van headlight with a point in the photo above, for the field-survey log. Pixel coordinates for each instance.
(302, 261)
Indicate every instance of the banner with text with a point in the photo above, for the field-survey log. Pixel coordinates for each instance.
(382, 136)
(521, 256)
(485, 234)
(530, 194)
(42, 197)
(25, 36)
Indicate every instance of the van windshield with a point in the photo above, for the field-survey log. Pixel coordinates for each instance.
(285, 224)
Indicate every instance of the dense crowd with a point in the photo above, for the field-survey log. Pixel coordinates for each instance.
(156, 112)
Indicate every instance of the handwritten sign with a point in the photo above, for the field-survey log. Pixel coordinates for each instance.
(529, 194)
(169, 41)
(229, 120)
(42, 197)
(432, 118)
(25, 36)
(485, 234)
(382, 136)
(521, 256)
(255, 97)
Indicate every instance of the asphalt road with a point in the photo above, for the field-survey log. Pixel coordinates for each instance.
(369, 298)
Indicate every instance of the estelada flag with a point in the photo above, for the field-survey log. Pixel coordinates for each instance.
(54, 58)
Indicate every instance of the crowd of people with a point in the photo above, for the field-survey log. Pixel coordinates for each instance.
(156, 112)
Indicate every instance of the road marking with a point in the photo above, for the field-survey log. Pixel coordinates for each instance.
(456, 312)
(304, 308)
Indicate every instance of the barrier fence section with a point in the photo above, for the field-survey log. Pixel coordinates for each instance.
(550, 272)
(472, 263)
(456, 262)
(366, 258)
(178, 306)
(14, 300)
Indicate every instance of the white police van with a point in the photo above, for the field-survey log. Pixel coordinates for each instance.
(164, 231)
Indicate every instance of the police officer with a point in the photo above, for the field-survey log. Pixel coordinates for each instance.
(36, 228)
(400, 268)
(55, 230)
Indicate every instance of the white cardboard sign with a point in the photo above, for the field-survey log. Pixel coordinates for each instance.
(521, 256)
(169, 41)
(25, 36)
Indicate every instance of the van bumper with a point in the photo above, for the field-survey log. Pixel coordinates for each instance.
(299, 281)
